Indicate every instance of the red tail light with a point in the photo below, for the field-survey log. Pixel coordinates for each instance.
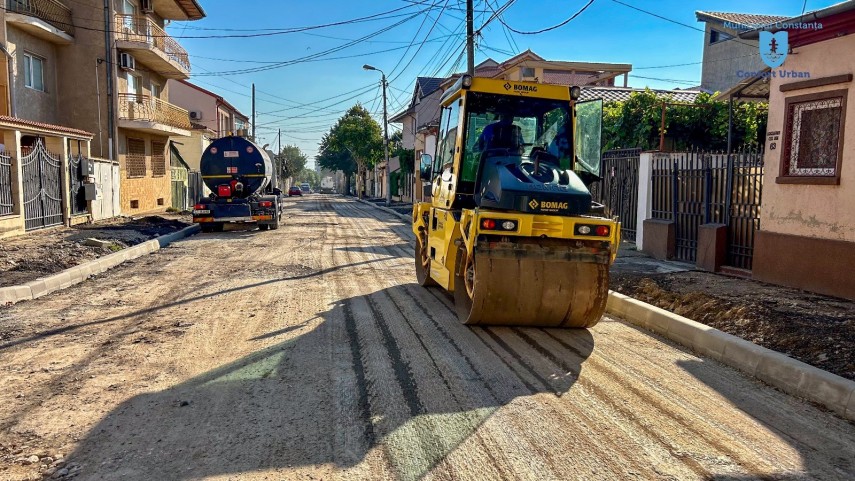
(224, 191)
(200, 207)
(603, 230)
(265, 203)
(488, 224)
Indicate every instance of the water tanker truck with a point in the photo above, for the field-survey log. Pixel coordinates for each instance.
(241, 177)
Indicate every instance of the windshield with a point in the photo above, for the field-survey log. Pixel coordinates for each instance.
(518, 126)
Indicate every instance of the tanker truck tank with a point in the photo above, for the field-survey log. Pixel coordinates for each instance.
(239, 174)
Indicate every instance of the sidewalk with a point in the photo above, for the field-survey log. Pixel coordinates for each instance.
(814, 329)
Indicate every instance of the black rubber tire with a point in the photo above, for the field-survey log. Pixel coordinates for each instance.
(218, 227)
(422, 271)
(462, 301)
(273, 226)
(263, 226)
(206, 227)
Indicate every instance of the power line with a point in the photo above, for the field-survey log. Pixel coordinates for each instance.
(535, 32)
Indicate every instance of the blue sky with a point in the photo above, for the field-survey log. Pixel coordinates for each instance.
(298, 97)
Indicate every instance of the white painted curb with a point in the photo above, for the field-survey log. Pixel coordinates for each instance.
(77, 274)
(785, 373)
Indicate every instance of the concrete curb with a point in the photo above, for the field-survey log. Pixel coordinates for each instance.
(77, 274)
(405, 217)
(785, 373)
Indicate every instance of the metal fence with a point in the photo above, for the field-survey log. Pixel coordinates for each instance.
(695, 188)
(618, 189)
(7, 204)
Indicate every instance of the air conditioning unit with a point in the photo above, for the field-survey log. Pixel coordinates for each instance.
(126, 61)
(195, 115)
(146, 6)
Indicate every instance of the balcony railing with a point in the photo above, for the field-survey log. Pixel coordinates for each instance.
(51, 11)
(151, 109)
(138, 28)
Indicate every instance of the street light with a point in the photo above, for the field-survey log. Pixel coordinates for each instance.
(385, 138)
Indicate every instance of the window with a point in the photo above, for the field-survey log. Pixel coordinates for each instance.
(716, 36)
(156, 90)
(34, 72)
(813, 138)
(447, 138)
(528, 72)
(520, 125)
(135, 158)
(158, 159)
(134, 84)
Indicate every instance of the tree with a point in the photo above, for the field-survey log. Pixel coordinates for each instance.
(355, 137)
(333, 159)
(637, 122)
(292, 161)
(310, 176)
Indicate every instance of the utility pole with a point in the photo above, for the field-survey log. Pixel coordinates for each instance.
(388, 175)
(253, 113)
(109, 58)
(386, 146)
(470, 40)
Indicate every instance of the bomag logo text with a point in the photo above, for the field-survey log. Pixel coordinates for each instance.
(525, 88)
(553, 205)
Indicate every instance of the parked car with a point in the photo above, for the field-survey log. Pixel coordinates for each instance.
(306, 188)
(294, 190)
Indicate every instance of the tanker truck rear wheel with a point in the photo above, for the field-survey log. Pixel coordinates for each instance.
(263, 226)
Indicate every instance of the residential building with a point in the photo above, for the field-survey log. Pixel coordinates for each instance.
(207, 108)
(41, 151)
(806, 235)
(728, 58)
(127, 107)
(531, 67)
(419, 123)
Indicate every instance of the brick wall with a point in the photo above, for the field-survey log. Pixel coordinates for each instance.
(142, 192)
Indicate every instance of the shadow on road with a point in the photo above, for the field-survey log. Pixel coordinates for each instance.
(835, 458)
(386, 370)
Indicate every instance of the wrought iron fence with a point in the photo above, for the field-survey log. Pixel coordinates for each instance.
(152, 109)
(695, 188)
(618, 189)
(142, 29)
(7, 204)
(76, 176)
(51, 11)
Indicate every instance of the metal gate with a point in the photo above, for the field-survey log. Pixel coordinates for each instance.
(42, 175)
(7, 206)
(75, 179)
(618, 189)
(195, 187)
(695, 188)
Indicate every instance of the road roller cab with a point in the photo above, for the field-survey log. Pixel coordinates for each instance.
(511, 228)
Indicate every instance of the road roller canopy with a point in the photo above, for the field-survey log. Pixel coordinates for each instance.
(529, 121)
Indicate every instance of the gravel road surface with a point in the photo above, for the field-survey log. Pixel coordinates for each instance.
(310, 353)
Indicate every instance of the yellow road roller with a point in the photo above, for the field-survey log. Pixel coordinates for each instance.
(511, 229)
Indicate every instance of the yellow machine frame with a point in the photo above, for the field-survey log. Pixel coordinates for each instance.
(454, 228)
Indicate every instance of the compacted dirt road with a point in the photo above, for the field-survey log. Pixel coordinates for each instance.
(310, 353)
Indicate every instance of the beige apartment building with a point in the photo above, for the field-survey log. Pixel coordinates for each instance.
(74, 64)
